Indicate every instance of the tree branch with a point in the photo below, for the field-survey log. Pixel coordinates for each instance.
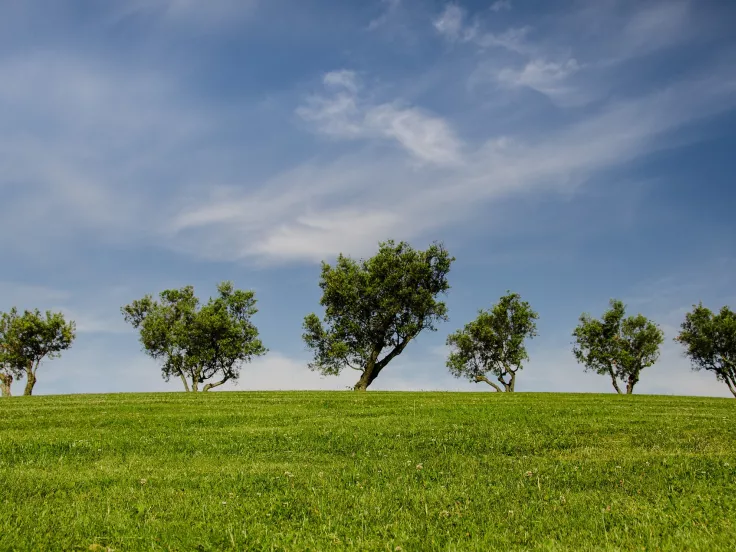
(213, 385)
(480, 378)
(394, 353)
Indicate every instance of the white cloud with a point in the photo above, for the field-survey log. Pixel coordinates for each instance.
(391, 7)
(191, 13)
(277, 371)
(342, 79)
(655, 25)
(452, 25)
(501, 5)
(428, 137)
(450, 22)
(513, 39)
(80, 143)
(346, 115)
(314, 237)
(349, 204)
(546, 77)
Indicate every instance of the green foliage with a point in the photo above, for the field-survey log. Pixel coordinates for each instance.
(9, 370)
(27, 339)
(198, 344)
(374, 307)
(710, 342)
(375, 471)
(494, 343)
(616, 346)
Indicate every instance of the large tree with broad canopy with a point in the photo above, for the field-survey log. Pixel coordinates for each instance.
(198, 344)
(374, 307)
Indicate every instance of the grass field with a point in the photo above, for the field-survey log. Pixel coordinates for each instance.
(374, 471)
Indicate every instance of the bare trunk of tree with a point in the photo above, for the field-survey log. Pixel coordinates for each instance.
(184, 381)
(731, 385)
(30, 379)
(479, 379)
(369, 374)
(373, 367)
(630, 385)
(508, 386)
(615, 383)
(6, 381)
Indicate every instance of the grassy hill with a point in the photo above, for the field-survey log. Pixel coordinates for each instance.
(375, 471)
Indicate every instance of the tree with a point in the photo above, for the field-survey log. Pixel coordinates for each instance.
(29, 338)
(616, 346)
(493, 343)
(197, 343)
(8, 370)
(375, 307)
(710, 342)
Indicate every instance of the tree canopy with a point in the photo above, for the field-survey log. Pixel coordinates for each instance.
(710, 342)
(616, 346)
(197, 343)
(27, 339)
(493, 343)
(375, 307)
(8, 369)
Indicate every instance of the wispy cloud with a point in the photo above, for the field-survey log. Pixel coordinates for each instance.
(391, 7)
(78, 139)
(546, 77)
(191, 13)
(501, 5)
(345, 114)
(347, 205)
(451, 23)
(656, 25)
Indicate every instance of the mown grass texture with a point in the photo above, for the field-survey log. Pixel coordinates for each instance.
(372, 471)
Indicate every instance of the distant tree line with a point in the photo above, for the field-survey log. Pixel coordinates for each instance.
(373, 308)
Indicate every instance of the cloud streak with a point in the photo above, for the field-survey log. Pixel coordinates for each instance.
(344, 114)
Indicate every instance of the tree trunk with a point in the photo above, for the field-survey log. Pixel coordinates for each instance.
(630, 385)
(512, 383)
(5, 382)
(184, 380)
(195, 385)
(213, 385)
(373, 367)
(731, 386)
(508, 386)
(479, 379)
(615, 383)
(30, 382)
(369, 374)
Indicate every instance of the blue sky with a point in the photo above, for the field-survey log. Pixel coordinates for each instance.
(571, 151)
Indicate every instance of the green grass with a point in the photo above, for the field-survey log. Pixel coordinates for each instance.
(375, 471)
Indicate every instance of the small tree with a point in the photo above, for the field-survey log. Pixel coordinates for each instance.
(198, 344)
(710, 342)
(493, 343)
(616, 346)
(29, 338)
(8, 370)
(375, 307)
